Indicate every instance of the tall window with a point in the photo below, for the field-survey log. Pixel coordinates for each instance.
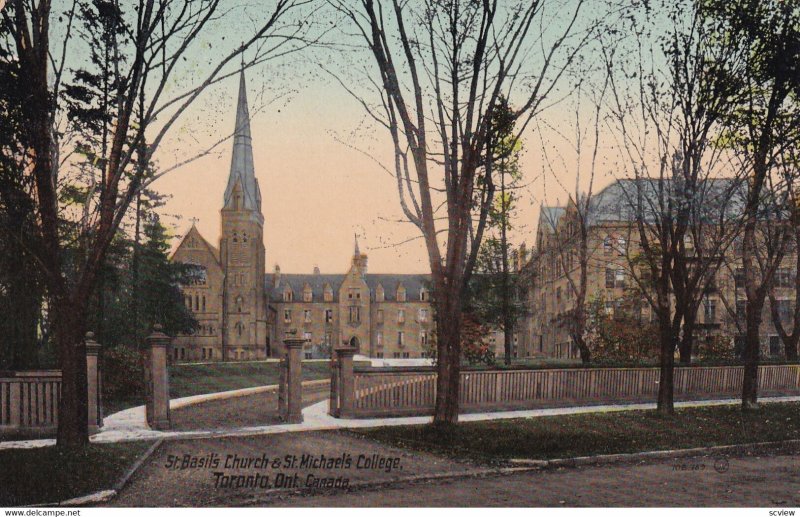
(379, 315)
(423, 338)
(287, 316)
(401, 294)
(401, 316)
(307, 316)
(355, 314)
(379, 338)
(401, 338)
(307, 294)
(287, 295)
(422, 315)
(709, 310)
(610, 272)
(307, 336)
(328, 315)
(423, 295)
(327, 294)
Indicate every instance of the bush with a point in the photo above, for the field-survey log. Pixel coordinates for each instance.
(123, 375)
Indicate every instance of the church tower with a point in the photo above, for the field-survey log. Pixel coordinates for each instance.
(242, 254)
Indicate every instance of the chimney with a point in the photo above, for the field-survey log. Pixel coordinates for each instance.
(316, 270)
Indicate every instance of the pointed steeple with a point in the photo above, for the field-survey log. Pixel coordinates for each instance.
(242, 170)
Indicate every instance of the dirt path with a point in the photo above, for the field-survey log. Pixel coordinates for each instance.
(250, 410)
(772, 481)
(163, 481)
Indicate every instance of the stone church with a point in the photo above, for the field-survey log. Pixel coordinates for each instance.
(243, 312)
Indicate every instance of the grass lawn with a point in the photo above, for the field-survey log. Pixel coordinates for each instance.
(599, 433)
(49, 475)
(197, 379)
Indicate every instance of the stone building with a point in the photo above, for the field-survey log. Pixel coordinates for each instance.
(612, 240)
(241, 309)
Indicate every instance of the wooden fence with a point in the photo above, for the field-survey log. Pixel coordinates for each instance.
(413, 392)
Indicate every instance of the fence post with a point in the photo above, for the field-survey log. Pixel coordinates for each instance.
(94, 406)
(333, 404)
(15, 396)
(346, 382)
(158, 416)
(294, 380)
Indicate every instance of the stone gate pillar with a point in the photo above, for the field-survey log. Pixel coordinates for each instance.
(292, 408)
(157, 380)
(346, 381)
(94, 406)
(333, 404)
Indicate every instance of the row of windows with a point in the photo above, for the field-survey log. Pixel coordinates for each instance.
(401, 338)
(354, 315)
(352, 294)
(199, 302)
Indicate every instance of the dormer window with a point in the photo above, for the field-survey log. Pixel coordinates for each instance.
(287, 295)
(401, 294)
(308, 295)
(327, 294)
(380, 295)
(423, 295)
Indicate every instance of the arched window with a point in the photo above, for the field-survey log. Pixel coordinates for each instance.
(235, 236)
(204, 303)
(239, 302)
(239, 328)
(380, 294)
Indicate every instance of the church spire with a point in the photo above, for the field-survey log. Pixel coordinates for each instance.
(242, 171)
(356, 252)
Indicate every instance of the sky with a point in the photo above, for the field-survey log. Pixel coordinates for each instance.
(320, 167)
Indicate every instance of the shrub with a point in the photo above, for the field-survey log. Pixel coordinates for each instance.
(123, 374)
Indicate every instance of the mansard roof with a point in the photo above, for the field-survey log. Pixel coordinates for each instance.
(411, 282)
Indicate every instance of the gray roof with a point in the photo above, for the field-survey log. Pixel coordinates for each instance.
(618, 201)
(412, 283)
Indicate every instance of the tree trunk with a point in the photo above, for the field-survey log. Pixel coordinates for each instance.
(69, 325)
(751, 355)
(687, 338)
(448, 366)
(667, 369)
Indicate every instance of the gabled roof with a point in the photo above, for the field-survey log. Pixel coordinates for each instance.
(549, 217)
(194, 232)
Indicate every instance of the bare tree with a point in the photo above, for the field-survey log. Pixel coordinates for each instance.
(439, 69)
(667, 123)
(155, 37)
(767, 37)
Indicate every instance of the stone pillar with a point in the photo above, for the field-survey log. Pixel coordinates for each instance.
(93, 383)
(333, 404)
(346, 381)
(157, 380)
(293, 413)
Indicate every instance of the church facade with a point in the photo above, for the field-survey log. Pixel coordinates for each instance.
(243, 312)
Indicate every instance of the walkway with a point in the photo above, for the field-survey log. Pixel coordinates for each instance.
(131, 425)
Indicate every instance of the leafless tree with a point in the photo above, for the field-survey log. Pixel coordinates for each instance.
(438, 69)
(667, 122)
(156, 39)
